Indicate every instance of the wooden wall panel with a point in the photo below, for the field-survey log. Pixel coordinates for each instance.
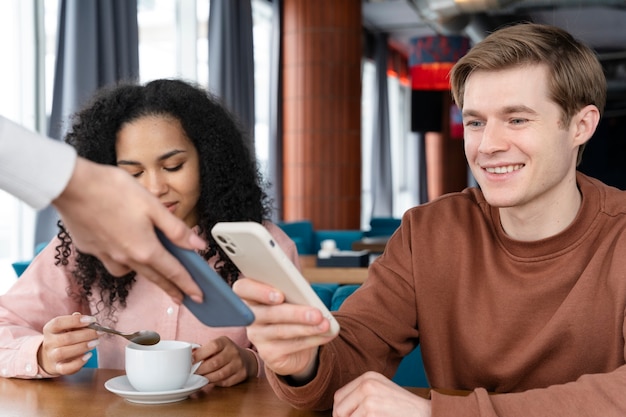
(322, 112)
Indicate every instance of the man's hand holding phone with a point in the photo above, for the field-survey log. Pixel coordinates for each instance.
(287, 336)
(291, 321)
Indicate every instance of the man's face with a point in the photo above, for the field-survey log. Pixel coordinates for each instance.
(516, 146)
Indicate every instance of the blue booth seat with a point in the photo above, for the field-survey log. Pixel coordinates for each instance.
(308, 240)
(383, 226)
(343, 238)
(326, 292)
(301, 232)
(20, 266)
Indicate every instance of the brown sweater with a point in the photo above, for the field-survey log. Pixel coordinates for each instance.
(540, 323)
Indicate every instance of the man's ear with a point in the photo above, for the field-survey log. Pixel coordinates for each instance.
(586, 121)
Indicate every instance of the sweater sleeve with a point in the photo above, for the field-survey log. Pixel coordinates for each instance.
(40, 294)
(600, 395)
(33, 168)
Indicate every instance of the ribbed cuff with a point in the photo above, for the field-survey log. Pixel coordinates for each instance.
(259, 363)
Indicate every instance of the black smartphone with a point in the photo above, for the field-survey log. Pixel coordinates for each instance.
(220, 307)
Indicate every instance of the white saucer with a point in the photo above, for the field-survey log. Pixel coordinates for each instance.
(120, 386)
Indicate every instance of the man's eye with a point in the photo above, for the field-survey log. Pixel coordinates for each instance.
(473, 123)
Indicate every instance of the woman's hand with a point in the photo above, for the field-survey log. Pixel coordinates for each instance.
(225, 363)
(66, 344)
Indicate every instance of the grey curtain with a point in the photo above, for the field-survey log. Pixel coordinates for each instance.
(382, 186)
(275, 163)
(231, 59)
(98, 44)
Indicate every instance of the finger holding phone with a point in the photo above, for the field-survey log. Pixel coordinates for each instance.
(287, 336)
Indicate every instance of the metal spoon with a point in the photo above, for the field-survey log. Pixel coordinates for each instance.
(142, 337)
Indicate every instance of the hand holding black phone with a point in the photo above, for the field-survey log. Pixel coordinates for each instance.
(220, 307)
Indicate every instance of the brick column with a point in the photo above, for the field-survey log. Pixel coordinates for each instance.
(322, 112)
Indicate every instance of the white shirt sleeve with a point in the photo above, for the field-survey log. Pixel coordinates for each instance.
(33, 168)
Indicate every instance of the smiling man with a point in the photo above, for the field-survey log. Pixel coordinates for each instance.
(516, 288)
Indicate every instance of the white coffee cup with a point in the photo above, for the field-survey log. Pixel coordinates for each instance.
(165, 366)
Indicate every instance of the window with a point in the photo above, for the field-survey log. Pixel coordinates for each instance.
(403, 142)
(18, 103)
(368, 92)
(169, 48)
(165, 51)
(403, 146)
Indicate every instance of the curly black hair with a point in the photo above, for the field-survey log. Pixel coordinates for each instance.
(231, 186)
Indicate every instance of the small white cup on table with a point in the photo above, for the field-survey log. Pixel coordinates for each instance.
(165, 366)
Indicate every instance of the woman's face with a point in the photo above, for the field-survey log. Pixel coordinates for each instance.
(156, 151)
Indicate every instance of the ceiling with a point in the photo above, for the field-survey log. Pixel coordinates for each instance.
(599, 23)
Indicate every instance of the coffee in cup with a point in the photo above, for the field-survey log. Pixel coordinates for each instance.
(165, 366)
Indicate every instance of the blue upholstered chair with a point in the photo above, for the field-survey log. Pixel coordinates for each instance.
(20, 266)
(326, 292)
(343, 238)
(308, 240)
(301, 232)
(383, 226)
(340, 295)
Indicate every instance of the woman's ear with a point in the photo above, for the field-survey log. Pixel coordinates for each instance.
(586, 121)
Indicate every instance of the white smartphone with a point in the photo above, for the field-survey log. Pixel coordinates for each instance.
(252, 249)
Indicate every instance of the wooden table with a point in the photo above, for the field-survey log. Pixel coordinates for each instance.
(374, 244)
(341, 275)
(84, 395)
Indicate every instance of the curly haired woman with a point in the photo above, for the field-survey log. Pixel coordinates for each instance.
(183, 146)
